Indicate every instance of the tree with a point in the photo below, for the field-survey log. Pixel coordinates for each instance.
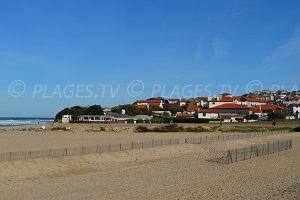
(252, 117)
(94, 110)
(80, 110)
(276, 115)
(130, 109)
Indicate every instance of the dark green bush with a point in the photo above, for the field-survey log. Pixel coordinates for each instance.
(139, 121)
(297, 129)
(58, 129)
(189, 120)
(142, 129)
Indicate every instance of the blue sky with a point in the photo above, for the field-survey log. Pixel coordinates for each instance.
(57, 54)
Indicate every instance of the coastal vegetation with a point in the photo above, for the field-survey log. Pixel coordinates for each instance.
(240, 129)
(80, 110)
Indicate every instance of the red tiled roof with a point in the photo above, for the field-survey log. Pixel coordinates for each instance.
(294, 98)
(268, 107)
(203, 98)
(149, 101)
(184, 115)
(192, 107)
(174, 99)
(295, 104)
(154, 104)
(223, 99)
(232, 106)
(212, 110)
(251, 99)
(141, 106)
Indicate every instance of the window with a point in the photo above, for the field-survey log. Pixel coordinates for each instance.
(204, 114)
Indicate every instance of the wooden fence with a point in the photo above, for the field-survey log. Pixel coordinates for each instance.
(235, 155)
(224, 136)
(10, 156)
(48, 153)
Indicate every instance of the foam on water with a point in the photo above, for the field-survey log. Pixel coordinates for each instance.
(5, 121)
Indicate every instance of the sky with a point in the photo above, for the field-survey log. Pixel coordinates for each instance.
(61, 53)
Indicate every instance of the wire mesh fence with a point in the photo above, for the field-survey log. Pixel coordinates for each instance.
(224, 137)
(239, 154)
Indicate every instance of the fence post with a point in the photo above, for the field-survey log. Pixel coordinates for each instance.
(142, 145)
(132, 145)
(120, 146)
(229, 156)
(66, 152)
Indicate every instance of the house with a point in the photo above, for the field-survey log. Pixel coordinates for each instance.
(109, 117)
(66, 118)
(263, 110)
(295, 110)
(182, 102)
(233, 109)
(157, 102)
(185, 115)
(249, 101)
(208, 113)
(220, 101)
(203, 102)
(232, 118)
(192, 108)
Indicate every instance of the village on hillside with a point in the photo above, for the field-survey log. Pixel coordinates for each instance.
(261, 105)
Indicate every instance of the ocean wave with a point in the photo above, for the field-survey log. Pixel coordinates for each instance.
(24, 121)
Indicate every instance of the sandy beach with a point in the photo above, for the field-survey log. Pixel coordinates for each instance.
(182, 171)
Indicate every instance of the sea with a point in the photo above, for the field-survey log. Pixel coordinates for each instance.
(18, 121)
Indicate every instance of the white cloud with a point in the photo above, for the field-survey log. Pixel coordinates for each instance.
(287, 53)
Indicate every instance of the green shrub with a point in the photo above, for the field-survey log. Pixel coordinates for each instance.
(102, 129)
(189, 120)
(297, 129)
(142, 129)
(58, 129)
(130, 121)
(139, 121)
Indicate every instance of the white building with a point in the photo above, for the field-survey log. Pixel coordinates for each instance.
(66, 118)
(208, 113)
